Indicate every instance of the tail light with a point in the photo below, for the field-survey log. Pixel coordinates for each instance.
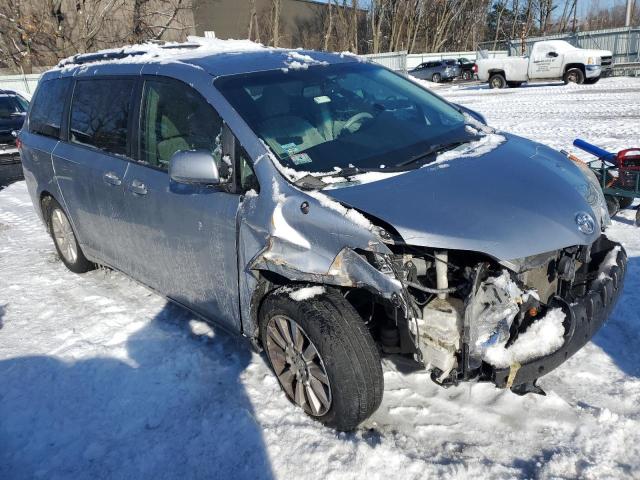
(475, 68)
(18, 143)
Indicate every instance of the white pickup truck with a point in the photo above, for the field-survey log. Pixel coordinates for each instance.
(549, 60)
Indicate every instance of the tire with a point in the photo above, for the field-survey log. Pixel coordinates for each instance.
(345, 351)
(436, 78)
(497, 80)
(625, 202)
(612, 205)
(467, 75)
(574, 75)
(514, 84)
(591, 81)
(64, 238)
(638, 217)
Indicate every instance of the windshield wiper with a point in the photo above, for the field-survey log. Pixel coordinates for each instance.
(312, 182)
(441, 147)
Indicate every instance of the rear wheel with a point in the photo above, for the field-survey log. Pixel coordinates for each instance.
(497, 80)
(323, 356)
(64, 238)
(467, 75)
(436, 78)
(574, 75)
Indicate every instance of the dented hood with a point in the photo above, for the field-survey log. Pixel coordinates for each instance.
(517, 200)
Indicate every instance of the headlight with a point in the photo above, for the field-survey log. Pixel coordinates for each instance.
(592, 193)
(590, 61)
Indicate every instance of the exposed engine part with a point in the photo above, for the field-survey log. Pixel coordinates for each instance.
(442, 282)
(490, 314)
(440, 334)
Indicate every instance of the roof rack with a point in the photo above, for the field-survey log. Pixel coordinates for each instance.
(84, 58)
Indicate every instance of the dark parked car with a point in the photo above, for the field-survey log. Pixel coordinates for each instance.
(252, 191)
(466, 68)
(13, 108)
(436, 70)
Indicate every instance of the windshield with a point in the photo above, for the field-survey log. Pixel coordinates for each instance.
(350, 115)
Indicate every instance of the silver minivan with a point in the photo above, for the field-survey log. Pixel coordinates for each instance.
(326, 208)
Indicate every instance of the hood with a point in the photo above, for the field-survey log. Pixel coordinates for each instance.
(519, 199)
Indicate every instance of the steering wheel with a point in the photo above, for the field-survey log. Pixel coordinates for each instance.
(357, 118)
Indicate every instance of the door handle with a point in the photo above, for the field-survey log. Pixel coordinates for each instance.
(138, 187)
(112, 178)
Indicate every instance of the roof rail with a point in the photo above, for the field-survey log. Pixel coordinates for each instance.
(132, 51)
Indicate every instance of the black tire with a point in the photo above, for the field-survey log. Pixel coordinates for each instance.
(591, 81)
(612, 205)
(467, 75)
(574, 75)
(638, 217)
(497, 80)
(78, 263)
(514, 84)
(436, 78)
(344, 344)
(625, 202)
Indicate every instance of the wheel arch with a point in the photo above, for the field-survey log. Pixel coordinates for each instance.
(569, 66)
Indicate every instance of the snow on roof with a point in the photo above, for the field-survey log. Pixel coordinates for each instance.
(166, 52)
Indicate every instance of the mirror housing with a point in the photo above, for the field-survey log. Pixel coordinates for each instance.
(194, 167)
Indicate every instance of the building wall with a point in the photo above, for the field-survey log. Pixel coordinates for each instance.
(230, 18)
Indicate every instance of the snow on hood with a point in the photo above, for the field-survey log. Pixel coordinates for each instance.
(518, 199)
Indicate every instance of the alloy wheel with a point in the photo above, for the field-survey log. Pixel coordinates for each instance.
(298, 365)
(63, 236)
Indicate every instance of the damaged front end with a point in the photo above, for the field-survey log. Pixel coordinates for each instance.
(505, 322)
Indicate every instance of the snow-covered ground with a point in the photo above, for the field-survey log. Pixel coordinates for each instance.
(99, 378)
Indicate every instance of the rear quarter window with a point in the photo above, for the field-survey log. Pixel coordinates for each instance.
(46, 113)
(100, 113)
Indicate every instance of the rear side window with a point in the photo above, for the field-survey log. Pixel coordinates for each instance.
(46, 113)
(100, 113)
(174, 117)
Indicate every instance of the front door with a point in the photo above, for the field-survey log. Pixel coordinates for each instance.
(184, 243)
(545, 62)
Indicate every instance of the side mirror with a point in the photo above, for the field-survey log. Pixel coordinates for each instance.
(194, 167)
(473, 113)
(552, 54)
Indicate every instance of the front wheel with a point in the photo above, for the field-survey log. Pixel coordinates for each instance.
(574, 75)
(497, 80)
(625, 202)
(436, 78)
(64, 238)
(323, 355)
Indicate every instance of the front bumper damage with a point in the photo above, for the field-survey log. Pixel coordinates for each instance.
(583, 318)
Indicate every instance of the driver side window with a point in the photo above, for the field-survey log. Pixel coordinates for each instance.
(174, 117)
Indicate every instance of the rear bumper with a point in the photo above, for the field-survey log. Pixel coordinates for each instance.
(584, 317)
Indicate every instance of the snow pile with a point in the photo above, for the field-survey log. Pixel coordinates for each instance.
(543, 337)
(299, 61)
(306, 293)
